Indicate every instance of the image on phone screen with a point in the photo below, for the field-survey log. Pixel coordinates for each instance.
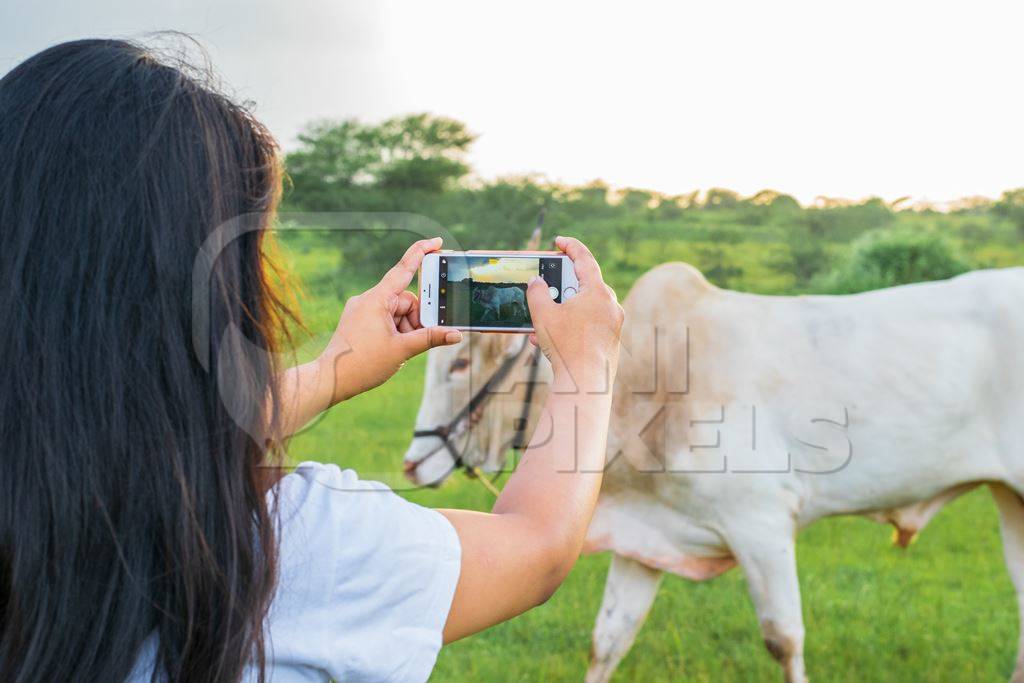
(489, 291)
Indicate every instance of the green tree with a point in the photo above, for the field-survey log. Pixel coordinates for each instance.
(593, 195)
(332, 159)
(720, 198)
(500, 214)
(339, 165)
(714, 263)
(1011, 207)
(626, 233)
(889, 258)
(421, 152)
(776, 201)
(638, 201)
(673, 207)
(805, 256)
(404, 164)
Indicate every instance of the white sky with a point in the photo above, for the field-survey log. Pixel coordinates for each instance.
(819, 97)
(518, 270)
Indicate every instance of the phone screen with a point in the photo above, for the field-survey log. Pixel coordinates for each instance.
(490, 291)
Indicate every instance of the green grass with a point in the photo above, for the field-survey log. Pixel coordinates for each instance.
(942, 610)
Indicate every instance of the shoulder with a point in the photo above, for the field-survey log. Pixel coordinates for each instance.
(314, 489)
(324, 503)
(363, 574)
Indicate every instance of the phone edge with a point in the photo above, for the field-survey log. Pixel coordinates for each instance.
(568, 280)
(428, 310)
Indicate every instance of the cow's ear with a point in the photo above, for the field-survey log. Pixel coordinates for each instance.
(513, 344)
(490, 346)
(534, 242)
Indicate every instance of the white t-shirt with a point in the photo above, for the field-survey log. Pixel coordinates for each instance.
(366, 580)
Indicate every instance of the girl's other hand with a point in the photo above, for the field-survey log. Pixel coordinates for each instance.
(580, 336)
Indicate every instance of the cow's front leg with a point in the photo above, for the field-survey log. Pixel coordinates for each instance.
(1011, 526)
(628, 594)
(769, 563)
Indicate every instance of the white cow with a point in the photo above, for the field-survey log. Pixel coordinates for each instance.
(739, 419)
(493, 298)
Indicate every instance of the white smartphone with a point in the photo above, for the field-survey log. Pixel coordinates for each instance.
(485, 291)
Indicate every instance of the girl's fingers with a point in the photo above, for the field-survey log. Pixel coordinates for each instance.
(414, 314)
(403, 303)
(425, 338)
(402, 273)
(584, 263)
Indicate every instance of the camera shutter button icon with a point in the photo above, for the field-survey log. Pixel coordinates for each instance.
(568, 293)
(553, 291)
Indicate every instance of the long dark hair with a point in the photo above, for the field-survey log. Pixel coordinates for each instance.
(133, 505)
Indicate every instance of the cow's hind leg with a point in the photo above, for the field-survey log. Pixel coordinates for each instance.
(769, 563)
(628, 594)
(1011, 527)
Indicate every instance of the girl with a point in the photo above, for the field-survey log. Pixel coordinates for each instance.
(145, 533)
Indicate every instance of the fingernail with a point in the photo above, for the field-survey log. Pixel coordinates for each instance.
(535, 278)
(453, 337)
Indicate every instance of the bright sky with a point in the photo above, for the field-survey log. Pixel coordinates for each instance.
(808, 97)
(518, 270)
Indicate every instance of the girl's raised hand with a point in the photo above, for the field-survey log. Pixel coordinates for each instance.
(380, 329)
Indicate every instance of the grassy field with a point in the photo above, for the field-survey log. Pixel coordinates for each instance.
(943, 610)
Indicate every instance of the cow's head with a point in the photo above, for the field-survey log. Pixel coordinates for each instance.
(454, 375)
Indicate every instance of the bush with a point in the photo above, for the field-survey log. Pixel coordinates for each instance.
(889, 258)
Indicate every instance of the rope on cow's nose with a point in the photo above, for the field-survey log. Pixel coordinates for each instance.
(488, 484)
